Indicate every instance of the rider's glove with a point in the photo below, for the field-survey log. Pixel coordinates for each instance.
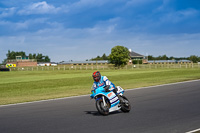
(106, 88)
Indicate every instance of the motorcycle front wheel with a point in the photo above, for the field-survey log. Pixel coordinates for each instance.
(104, 110)
(125, 104)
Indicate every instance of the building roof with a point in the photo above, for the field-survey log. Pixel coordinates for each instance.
(167, 61)
(134, 54)
(46, 62)
(83, 62)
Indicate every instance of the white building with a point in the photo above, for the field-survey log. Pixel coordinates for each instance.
(47, 64)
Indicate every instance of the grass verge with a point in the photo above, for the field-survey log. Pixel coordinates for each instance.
(26, 86)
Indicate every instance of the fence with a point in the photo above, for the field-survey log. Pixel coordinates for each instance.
(105, 67)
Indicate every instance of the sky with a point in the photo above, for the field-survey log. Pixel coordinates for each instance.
(83, 29)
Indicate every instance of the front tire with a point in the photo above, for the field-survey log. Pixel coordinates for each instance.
(125, 104)
(104, 110)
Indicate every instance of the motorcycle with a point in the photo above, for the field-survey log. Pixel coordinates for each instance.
(107, 102)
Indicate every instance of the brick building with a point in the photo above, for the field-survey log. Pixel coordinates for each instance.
(22, 61)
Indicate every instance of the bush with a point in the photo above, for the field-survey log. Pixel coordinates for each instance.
(137, 61)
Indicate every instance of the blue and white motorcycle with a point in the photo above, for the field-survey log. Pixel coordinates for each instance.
(107, 102)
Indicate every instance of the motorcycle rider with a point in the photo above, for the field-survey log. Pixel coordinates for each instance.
(103, 81)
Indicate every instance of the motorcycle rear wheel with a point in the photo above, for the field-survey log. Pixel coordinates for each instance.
(104, 110)
(125, 104)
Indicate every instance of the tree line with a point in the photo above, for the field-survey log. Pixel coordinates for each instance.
(11, 55)
(120, 56)
(192, 58)
(103, 57)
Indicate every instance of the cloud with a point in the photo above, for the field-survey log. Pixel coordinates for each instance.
(188, 12)
(89, 3)
(105, 27)
(165, 6)
(178, 16)
(138, 2)
(85, 5)
(7, 12)
(39, 8)
(29, 25)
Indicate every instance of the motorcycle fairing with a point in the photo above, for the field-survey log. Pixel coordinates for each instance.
(114, 100)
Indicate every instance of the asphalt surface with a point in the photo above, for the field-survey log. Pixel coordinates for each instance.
(171, 108)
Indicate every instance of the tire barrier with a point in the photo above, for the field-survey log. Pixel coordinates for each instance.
(4, 69)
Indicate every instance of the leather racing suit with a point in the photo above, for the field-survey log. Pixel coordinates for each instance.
(103, 82)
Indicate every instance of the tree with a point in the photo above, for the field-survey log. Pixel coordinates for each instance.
(30, 56)
(164, 57)
(119, 56)
(150, 57)
(104, 57)
(8, 55)
(171, 58)
(39, 57)
(34, 56)
(98, 57)
(194, 58)
(46, 59)
(12, 55)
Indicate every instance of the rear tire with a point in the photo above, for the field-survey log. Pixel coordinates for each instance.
(125, 104)
(104, 110)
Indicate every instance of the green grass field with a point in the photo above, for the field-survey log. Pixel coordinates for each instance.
(26, 86)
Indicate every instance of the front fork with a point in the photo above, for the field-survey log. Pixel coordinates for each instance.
(104, 102)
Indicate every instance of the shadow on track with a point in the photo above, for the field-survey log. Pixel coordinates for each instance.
(96, 113)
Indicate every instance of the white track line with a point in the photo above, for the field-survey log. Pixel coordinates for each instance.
(193, 131)
(89, 94)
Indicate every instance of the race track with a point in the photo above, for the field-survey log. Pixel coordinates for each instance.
(171, 108)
